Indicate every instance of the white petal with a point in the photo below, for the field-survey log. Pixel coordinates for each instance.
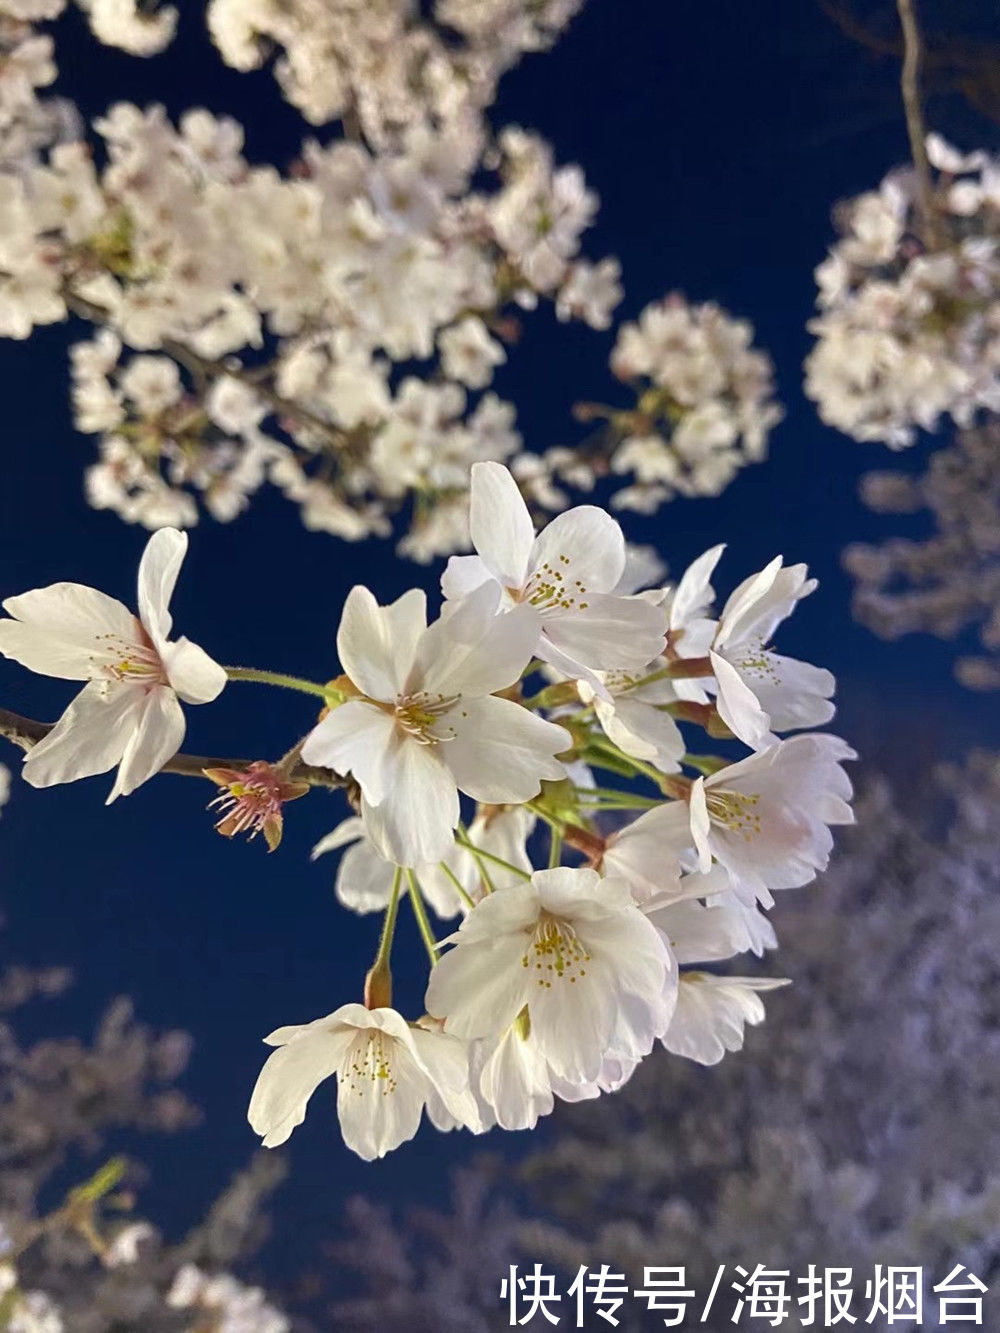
(642, 731)
(291, 1075)
(693, 595)
(376, 644)
(479, 989)
(464, 574)
(712, 1012)
(347, 831)
(356, 738)
(55, 630)
(157, 737)
(700, 825)
(364, 878)
(500, 525)
(447, 1061)
(381, 1090)
(515, 1082)
(739, 707)
(612, 633)
(414, 821)
(501, 751)
(89, 738)
(586, 547)
(158, 569)
(196, 678)
(473, 650)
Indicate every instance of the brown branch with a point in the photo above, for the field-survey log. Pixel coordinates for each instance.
(25, 732)
(206, 368)
(915, 129)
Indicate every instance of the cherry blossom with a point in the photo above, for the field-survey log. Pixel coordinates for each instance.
(573, 949)
(568, 573)
(427, 723)
(129, 711)
(386, 1071)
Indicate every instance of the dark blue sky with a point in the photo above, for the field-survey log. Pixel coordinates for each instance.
(718, 135)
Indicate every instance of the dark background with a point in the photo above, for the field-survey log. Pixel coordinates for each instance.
(718, 136)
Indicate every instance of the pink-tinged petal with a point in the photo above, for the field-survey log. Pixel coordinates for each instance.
(472, 649)
(739, 707)
(376, 644)
(464, 574)
(500, 751)
(609, 633)
(291, 1075)
(500, 525)
(354, 738)
(195, 677)
(157, 737)
(158, 569)
(414, 821)
(586, 548)
(89, 738)
(60, 630)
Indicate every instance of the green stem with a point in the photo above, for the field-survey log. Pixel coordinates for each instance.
(420, 912)
(555, 848)
(389, 922)
(481, 855)
(277, 678)
(457, 883)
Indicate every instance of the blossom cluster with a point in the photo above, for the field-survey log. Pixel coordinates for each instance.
(335, 330)
(950, 580)
(386, 65)
(704, 402)
(908, 330)
(558, 981)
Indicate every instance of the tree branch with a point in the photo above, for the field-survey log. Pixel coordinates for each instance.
(915, 128)
(25, 732)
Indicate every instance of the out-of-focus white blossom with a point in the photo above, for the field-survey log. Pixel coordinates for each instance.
(908, 330)
(224, 1304)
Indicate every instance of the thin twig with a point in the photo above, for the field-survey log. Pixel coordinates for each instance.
(205, 368)
(915, 128)
(25, 733)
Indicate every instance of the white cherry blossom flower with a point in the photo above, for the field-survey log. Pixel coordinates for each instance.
(574, 949)
(427, 724)
(767, 818)
(760, 691)
(386, 1073)
(568, 573)
(129, 711)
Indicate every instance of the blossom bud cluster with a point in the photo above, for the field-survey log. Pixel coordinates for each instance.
(908, 329)
(559, 980)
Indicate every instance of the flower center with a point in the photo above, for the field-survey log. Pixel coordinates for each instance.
(419, 714)
(735, 811)
(368, 1065)
(551, 588)
(556, 952)
(759, 661)
(135, 663)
